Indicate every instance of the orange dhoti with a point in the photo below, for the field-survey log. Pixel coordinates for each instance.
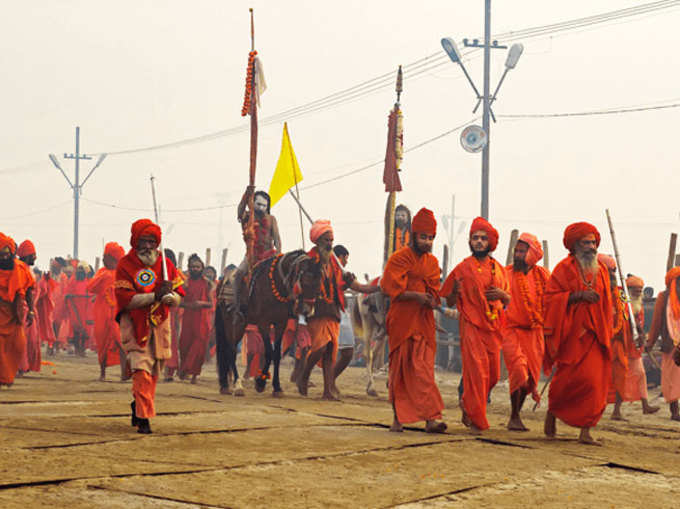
(480, 351)
(413, 391)
(12, 343)
(635, 387)
(323, 331)
(144, 392)
(523, 355)
(670, 378)
(578, 391)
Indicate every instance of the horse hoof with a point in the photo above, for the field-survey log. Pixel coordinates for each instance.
(278, 394)
(239, 393)
(259, 385)
(372, 393)
(225, 390)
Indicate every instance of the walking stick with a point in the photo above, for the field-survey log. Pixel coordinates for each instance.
(545, 386)
(160, 244)
(636, 335)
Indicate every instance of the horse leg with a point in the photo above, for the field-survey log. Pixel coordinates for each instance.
(369, 332)
(237, 330)
(261, 381)
(276, 384)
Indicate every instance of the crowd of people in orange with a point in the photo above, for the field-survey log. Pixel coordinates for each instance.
(143, 313)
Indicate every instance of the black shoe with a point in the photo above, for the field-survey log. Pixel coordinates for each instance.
(135, 420)
(144, 427)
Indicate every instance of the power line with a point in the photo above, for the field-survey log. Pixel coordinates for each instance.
(589, 113)
(411, 70)
(37, 212)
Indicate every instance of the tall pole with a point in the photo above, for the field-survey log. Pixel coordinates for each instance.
(76, 197)
(485, 117)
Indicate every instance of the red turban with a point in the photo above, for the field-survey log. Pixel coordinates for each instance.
(535, 249)
(424, 222)
(26, 248)
(608, 261)
(482, 224)
(576, 232)
(634, 282)
(319, 228)
(143, 227)
(114, 250)
(7, 241)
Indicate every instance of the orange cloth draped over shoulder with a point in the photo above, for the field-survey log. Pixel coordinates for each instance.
(106, 330)
(578, 341)
(523, 342)
(411, 332)
(13, 284)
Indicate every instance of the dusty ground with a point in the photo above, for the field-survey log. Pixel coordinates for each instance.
(66, 441)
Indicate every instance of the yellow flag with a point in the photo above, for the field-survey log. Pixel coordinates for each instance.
(287, 172)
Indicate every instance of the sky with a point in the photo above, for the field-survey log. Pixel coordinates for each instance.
(143, 73)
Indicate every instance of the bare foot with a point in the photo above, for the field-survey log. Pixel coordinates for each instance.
(648, 409)
(396, 427)
(475, 430)
(435, 427)
(587, 439)
(302, 387)
(617, 417)
(193, 379)
(328, 396)
(675, 417)
(102, 378)
(516, 424)
(549, 426)
(225, 390)
(465, 419)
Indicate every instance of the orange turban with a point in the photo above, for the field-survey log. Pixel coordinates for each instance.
(672, 275)
(482, 224)
(7, 241)
(576, 232)
(634, 282)
(608, 261)
(671, 283)
(143, 227)
(319, 228)
(114, 250)
(424, 222)
(535, 249)
(26, 248)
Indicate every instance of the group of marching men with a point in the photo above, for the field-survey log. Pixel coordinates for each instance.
(572, 323)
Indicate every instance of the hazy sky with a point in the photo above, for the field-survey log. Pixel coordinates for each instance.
(140, 73)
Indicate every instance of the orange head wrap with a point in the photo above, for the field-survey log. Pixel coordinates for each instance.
(7, 241)
(535, 249)
(26, 248)
(576, 231)
(114, 250)
(671, 283)
(319, 228)
(143, 227)
(634, 282)
(608, 261)
(424, 222)
(482, 224)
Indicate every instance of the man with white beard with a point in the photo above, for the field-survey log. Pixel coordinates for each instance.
(143, 300)
(634, 387)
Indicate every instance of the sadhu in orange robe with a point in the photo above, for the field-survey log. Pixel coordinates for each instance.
(13, 285)
(412, 336)
(523, 342)
(480, 331)
(106, 329)
(578, 344)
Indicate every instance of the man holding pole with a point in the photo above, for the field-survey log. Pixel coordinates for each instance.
(143, 298)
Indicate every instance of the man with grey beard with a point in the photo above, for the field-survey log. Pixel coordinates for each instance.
(578, 328)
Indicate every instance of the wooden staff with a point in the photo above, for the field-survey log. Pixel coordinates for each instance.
(160, 244)
(207, 256)
(250, 247)
(671, 251)
(224, 260)
(180, 260)
(514, 235)
(546, 255)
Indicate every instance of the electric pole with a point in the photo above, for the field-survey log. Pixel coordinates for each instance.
(486, 99)
(76, 186)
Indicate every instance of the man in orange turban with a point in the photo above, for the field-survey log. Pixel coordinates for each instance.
(324, 324)
(578, 329)
(411, 280)
(143, 301)
(666, 323)
(32, 356)
(523, 342)
(15, 280)
(629, 380)
(106, 330)
(478, 287)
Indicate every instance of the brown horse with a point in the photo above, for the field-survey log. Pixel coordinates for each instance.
(280, 287)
